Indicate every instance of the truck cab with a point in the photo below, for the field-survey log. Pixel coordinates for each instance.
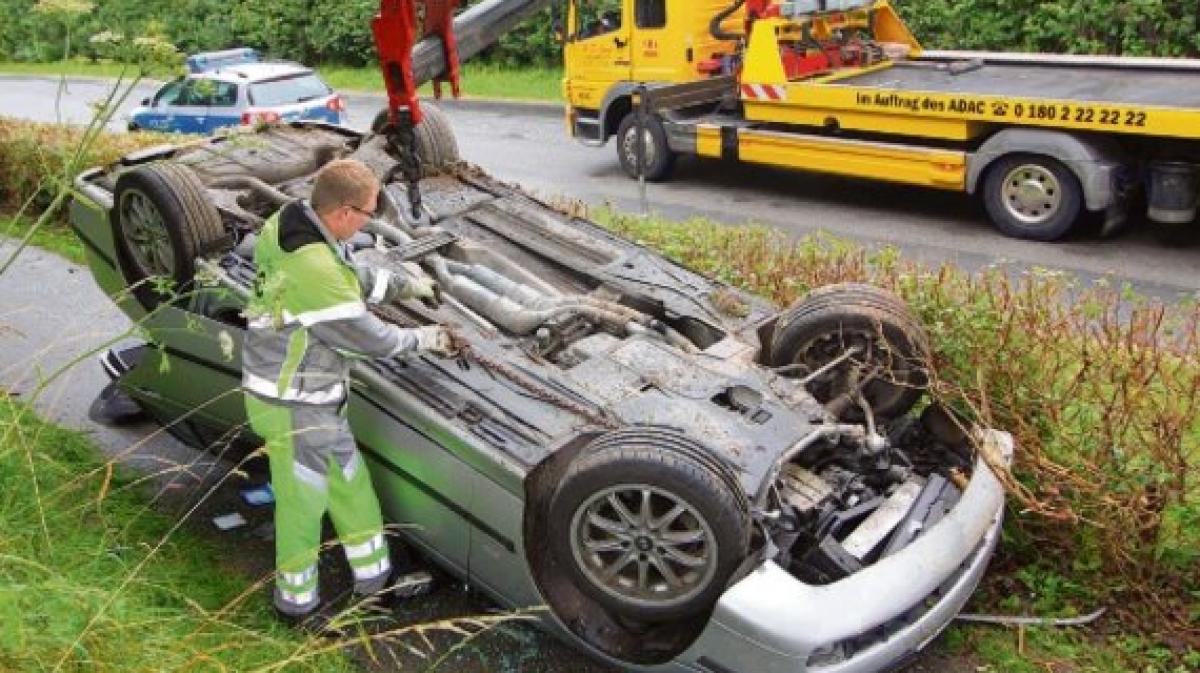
(613, 45)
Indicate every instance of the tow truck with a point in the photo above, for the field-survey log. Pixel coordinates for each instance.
(844, 87)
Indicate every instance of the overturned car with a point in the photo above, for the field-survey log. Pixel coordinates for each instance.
(687, 477)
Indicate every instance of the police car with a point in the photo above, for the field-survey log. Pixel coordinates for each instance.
(236, 87)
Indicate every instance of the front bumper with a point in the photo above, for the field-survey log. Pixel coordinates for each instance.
(770, 622)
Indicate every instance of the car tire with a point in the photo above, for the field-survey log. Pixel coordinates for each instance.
(436, 144)
(895, 349)
(659, 159)
(162, 222)
(133, 127)
(647, 526)
(1032, 197)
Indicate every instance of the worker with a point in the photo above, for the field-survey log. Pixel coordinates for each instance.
(307, 318)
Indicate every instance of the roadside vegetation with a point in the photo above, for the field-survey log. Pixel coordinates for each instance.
(92, 577)
(336, 33)
(479, 80)
(56, 37)
(1101, 388)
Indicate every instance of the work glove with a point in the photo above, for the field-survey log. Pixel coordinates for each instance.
(418, 287)
(441, 341)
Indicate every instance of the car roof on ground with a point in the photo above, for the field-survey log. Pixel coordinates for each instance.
(255, 72)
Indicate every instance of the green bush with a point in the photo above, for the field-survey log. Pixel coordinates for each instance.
(1130, 27)
(32, 155)
(323, 32)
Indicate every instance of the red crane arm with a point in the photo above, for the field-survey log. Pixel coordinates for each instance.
(397, 28)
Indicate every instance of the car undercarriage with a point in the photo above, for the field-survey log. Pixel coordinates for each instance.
(653, 455)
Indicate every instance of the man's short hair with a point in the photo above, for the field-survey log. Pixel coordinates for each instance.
(343, 182)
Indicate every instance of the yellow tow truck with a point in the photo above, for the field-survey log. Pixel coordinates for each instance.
(843, 87)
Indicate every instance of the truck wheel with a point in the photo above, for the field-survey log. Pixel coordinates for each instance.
(163, 220)
(659, 158)
(646, 527)
(1032, 197)
(890, 367)
(436, 145)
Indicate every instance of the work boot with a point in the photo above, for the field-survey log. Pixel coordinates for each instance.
(319, 622)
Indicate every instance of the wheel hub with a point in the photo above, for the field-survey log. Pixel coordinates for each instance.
(644, 545)
(630, 147)
(1032, 194)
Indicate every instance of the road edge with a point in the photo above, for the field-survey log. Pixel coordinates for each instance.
(504, 105)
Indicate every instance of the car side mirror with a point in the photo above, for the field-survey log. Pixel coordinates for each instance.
(146, 101)
(559, 36)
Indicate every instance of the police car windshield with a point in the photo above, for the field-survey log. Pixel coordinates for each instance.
(288, 90)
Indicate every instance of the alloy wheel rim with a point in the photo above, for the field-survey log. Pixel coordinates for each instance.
(145, 230)
(644, 545)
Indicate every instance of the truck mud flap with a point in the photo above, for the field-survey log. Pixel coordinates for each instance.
(729, 143)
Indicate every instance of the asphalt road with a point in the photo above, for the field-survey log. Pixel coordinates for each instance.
(529, 145)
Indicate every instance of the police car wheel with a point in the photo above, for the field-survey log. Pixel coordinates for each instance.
(162, 221)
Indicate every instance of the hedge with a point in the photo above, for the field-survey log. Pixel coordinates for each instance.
(326, 32)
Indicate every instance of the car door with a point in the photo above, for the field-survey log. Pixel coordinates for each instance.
(189, 112)
(189, 378)
(159, 114)
(223, 108)
(598, 50)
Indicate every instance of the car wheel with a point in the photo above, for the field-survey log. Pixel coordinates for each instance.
(888, 370)
(163, 220)
(659, 158)
(646, 527)
(436, 144)
(1032, 197)
(132, 126)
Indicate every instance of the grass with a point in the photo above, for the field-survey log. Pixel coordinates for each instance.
(91, 578)
(74, 68)
(479, 80)
(57, 239)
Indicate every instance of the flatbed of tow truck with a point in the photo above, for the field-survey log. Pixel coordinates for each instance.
(955, 99)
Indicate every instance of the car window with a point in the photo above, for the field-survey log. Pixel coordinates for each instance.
(196, 92)
(288, 90)
(169, 94)
(224, 94)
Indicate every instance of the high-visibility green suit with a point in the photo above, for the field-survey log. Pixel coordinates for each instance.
(307, 319)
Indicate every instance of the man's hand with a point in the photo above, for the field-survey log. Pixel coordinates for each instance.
(441, 341)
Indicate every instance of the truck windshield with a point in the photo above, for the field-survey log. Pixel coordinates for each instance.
(288, 90)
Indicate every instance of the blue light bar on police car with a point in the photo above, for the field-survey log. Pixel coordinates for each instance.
(212, 60)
